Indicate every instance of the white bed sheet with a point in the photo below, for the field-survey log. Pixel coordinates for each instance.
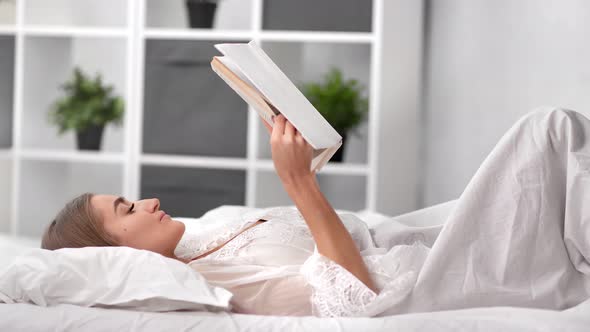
(27, 317)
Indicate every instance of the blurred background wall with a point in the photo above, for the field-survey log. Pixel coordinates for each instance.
(486, 64)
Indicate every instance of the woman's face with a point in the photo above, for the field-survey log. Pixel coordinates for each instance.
(140, 224)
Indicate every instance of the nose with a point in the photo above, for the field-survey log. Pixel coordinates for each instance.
(152, 204)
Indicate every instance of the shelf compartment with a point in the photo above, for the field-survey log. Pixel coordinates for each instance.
(269, 190)
(309, 62)
(190, 192)
(108, 13)
(5, 193)
(48, 63)
(188, 109)
(229, 14)
(7, 62)
(352, 15)
(46, 186)
(344, 192)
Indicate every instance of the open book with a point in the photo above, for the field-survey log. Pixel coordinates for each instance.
(258, 80)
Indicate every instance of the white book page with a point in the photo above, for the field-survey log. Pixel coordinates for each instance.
(253, 63)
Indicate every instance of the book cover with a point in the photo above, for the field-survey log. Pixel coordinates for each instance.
(249, 71)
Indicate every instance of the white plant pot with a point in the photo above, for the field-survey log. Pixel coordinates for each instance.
(7, 11)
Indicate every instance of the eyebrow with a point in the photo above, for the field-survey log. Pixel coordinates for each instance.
(116, 203)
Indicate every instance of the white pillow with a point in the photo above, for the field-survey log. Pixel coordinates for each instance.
(119, 277)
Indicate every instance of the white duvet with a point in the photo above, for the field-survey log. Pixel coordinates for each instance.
(519, 235)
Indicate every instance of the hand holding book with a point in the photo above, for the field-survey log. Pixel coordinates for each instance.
(291, 153)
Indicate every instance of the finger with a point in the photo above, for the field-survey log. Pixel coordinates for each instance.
(278, 128)
(289, 130)
(298, 136)
(268, 127)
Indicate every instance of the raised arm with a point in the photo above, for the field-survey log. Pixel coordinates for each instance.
(292, 156)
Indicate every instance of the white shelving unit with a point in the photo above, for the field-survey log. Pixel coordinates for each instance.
(5, 187)
(7, 40)
(7, 30)
(45, 170)
(41, 171)
(257, 164)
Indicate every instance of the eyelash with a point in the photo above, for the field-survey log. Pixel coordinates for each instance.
(131, 208)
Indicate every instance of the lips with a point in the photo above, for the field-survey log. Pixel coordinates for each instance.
(162, 215)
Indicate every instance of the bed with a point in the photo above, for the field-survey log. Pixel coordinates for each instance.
(27, 317)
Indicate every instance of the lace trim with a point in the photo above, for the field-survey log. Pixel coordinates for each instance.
(335, 291)
(286, 232)
(193, 245)
(338, 293)
(196, 244)
(283, 213)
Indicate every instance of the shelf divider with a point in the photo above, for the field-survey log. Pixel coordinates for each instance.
(318, 36)
(70, 31)
(329, 168)
(194, 161)
(8, 30)
(197, 34)
(72, 155)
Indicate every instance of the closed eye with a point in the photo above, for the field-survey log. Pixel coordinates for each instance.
(131, 208)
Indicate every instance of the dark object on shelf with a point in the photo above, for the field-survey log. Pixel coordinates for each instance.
(340, 102)
(201, 13)
(338, 156)
(86, 105)
(90, 138)
(314, 15)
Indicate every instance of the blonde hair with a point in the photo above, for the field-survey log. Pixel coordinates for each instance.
(77, 225)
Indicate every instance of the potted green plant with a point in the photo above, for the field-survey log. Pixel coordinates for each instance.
(201, 13)
(339, 101)
(88, 105)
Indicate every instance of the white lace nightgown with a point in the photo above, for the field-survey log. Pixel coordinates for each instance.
(274, 268)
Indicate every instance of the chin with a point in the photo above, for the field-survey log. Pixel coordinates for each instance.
(178, 225)
(176, 222)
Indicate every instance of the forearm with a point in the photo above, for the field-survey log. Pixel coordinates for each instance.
(331, 236)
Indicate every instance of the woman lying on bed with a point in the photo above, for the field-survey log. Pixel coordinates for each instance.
(492, 250)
